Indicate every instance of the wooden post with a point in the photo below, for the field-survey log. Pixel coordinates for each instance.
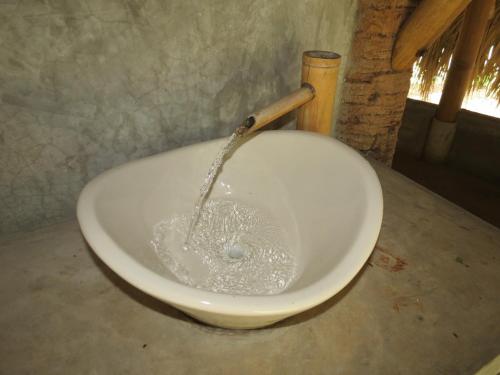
(465, 54)
(429, 20)
(320, 70)
(457, 81)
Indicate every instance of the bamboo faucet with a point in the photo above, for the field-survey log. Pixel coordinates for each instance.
(314, 100)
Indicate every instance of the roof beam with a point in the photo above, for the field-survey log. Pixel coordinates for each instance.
(429, 20)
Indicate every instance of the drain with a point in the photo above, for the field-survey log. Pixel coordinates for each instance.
(236, 252)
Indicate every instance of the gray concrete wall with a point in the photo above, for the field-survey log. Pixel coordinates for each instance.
(476, 147)
(89, 84)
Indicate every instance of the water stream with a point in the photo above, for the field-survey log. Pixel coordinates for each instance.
(209, 179)
(225, 245)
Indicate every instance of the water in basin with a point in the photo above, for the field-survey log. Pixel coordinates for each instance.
(234, 248)
(225, 246)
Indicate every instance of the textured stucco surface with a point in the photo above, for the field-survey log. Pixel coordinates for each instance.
(89, 84)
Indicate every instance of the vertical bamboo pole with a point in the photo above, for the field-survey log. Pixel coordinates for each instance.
(464, 58)
(320, 70)
(443, 126)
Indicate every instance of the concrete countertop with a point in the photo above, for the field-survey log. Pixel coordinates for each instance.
(427, 302)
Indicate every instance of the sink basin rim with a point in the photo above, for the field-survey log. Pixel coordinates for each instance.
(286, 303)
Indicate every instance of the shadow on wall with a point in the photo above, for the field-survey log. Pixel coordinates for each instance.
(476, 147)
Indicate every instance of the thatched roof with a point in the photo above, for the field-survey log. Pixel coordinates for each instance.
(435, 61)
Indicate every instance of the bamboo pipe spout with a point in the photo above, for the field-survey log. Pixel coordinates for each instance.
(315, 99)
(279, 108)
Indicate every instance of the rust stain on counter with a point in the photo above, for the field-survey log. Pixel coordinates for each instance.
(384, 259)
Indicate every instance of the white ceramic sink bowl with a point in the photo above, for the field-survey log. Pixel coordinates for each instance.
(324, 194)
